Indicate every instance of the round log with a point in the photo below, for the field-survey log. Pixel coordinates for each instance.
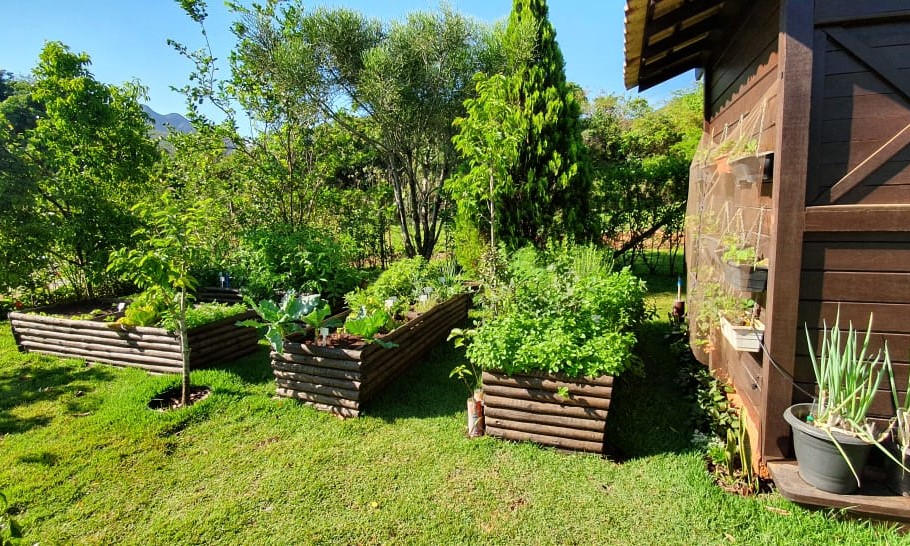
(493, 401)
(37, 328)
(345, 397)
(562, 443)
(549, 381)
(96, 337)
(546, 397)
(281, 390)
(315, 370)
(83, 324)
(546, 430)
(347, 365)
(119, 363)
(317, 380)
(115, 348)
(125, 358)
(581, 423)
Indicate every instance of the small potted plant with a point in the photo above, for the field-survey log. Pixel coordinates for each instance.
(742, 268)
(898, 476)
(746, 163)
(741, 327)
(832, 437)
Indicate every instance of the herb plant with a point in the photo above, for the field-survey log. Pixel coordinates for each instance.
(561, 312)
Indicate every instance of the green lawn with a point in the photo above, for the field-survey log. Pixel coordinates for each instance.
(83, 461)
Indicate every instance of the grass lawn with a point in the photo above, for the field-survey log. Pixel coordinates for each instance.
(83, 461)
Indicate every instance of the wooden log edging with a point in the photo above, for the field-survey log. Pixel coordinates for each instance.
(152, 349)
(527, 407)
(340, 381)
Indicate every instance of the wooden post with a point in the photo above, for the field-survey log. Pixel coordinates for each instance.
(795, 44)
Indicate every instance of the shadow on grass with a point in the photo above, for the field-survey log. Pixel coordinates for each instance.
(28, 380)
(425, 390)
(649, 412)
(254, 368)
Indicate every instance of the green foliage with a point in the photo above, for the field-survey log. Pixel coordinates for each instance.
(171, 240)
(206, 313)
(76, 155)
(640, 158)
(489, 141)
(145, 309)
(306, 259)
(564, 312)
(368, 326)
(847, 378)
(400, 287)
(550, 192)
(282, 320)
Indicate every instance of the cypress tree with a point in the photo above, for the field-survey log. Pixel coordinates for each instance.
(550, 177)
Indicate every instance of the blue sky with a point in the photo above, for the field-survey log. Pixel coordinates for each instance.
(126, 39)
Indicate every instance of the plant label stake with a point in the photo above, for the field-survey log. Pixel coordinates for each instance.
(324, 334)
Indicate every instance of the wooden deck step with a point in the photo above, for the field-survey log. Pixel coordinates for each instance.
(874, 499)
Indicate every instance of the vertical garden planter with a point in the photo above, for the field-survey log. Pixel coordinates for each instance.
(528, 407)
(342, 380)
(149, 348)
(743, 338)
(745, 277)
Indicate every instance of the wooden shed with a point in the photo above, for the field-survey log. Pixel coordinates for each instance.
(817, 94)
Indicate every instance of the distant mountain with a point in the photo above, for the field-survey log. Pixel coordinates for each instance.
(165, 123)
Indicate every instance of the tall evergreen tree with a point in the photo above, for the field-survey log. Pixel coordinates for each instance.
(550, 175)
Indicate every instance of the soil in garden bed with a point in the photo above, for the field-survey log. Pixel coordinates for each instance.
(99, 310)
(171, 398)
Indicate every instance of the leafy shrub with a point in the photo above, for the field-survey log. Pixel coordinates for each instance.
(206, 313)
(308, 260)
(562, 310)
(404, 282)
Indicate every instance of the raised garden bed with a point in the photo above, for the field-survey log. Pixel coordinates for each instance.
(529, 408)
(149, 348)
(341, 380)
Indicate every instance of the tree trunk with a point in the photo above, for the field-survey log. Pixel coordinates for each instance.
(184, 349)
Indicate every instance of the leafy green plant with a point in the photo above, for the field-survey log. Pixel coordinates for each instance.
(281, 320)
(368, 326)
(739, 255)
(848, 377)
(409, 283)
(467, 372)
(173, 237)
(206, 313)
(307, 259)
(145, 309)
(901, 434)
(558, 313)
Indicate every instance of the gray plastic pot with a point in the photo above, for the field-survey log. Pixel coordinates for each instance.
(821, 464)
(898, 478)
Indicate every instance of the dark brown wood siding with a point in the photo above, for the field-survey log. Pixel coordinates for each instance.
(856, 249)
(741, 79)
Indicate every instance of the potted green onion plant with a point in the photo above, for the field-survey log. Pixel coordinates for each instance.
(833, 436)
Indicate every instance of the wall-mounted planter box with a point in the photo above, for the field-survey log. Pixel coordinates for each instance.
(743, 338)
(528, 408)
(152, 349)
(745, 277)
(342, 380)
(747, 170)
